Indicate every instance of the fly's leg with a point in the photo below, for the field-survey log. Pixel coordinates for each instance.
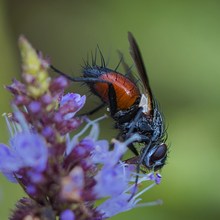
(139, 161)
(111, 90)
(93, 110)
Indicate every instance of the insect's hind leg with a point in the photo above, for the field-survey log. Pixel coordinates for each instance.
(93, 111)
(133, 149)
(67, 76)
(111, 90)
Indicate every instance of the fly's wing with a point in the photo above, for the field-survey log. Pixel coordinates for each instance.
(147, 99)
(127, 69)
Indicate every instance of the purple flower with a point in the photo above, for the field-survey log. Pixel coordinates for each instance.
(123, 202)
(31, 150)
(27, 151)
(115, 205)
(9, 160)
(111, 181)
(58, 83)
(158, 178)
(70, 104)
(34, 107)
(67, 215)
(63, 118)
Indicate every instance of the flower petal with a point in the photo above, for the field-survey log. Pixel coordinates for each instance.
(9, 162)
(32, 150)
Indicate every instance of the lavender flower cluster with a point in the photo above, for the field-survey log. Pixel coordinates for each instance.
(63, 175)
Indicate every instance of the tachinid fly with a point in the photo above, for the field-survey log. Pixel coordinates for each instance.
(134, 110)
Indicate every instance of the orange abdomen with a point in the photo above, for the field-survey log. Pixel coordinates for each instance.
(126, 91)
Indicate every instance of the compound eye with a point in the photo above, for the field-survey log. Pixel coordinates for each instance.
(159, 153)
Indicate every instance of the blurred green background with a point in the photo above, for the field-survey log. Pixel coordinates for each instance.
(180, 43)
